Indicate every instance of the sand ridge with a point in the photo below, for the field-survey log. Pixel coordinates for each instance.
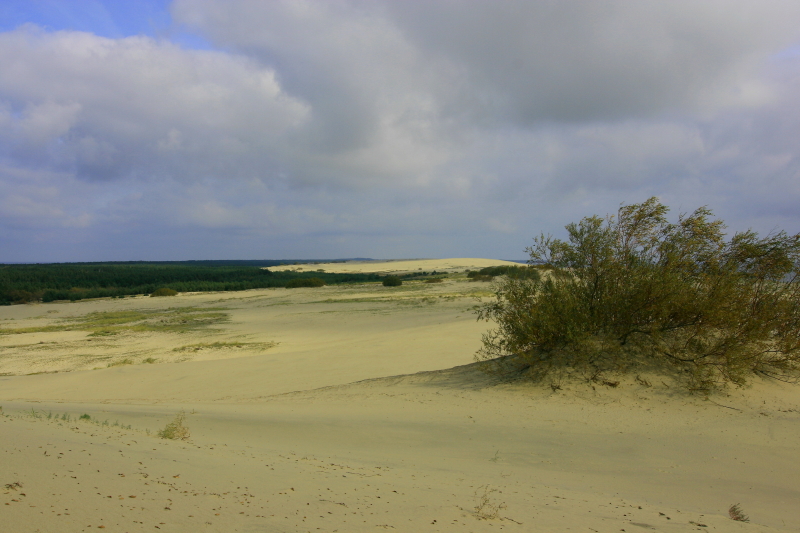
(398, 266)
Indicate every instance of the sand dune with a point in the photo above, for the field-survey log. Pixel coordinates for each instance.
(399, 266)
(359, 409)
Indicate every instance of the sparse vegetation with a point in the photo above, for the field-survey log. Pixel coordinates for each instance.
(105, 323)
(636, 290)
(121, 362)
(392, 281)
(736, 513)
(486, 506)
(225, 345)
(176, 430)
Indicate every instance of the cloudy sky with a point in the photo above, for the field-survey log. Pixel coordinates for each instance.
(254, 129)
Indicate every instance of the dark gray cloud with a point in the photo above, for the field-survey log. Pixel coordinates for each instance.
(336, 128)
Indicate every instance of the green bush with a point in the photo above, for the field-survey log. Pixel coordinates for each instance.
(164, 291)
(392, 281)
(512, 271)
(304, 282)
(434, 280)
(635, 290)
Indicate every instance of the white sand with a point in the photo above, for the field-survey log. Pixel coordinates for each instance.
(359, 418)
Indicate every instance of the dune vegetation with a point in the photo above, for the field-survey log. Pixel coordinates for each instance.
(634, 290)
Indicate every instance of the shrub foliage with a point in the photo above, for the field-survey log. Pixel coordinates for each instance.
(634, 290)
(392, 281)
(511, 271)
(305, 282)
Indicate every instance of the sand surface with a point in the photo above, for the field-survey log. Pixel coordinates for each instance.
(357, 409)
(399, 266)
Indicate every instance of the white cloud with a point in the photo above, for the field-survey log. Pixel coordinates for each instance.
(108, 108)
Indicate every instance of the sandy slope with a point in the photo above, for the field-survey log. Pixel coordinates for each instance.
(334, 428)
(400, 266)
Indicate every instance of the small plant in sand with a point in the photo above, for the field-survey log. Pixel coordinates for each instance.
(122, 362)
(736, 513)
(486, 506)
(164, 291)
(392, 281)
(176, 430)
(636, 291)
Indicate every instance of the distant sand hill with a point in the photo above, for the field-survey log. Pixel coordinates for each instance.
(400, 266)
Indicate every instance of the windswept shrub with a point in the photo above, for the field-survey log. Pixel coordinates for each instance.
(164, 291)
(434, 280)
(304, 282)
(392, 281)
(635, 289)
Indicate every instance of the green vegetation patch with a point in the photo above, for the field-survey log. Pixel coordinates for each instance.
(105, 323)
(635, 291)
(225, 346)
(77, 281)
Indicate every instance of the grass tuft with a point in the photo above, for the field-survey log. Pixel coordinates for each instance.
(175, 430)
(486, 507)
(736, 513)
(224, 345)
(120, 363)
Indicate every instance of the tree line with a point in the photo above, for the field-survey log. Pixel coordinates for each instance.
(77, 281)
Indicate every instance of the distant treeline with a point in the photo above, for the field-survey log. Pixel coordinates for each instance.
(512, 271)
(76, 281)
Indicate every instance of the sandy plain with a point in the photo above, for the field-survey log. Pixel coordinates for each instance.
(358, 408)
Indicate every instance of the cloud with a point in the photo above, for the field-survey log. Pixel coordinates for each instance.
(512, 60)
(108, 109)
(393, 128)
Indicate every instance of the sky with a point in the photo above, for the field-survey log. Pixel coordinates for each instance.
(312, 129)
